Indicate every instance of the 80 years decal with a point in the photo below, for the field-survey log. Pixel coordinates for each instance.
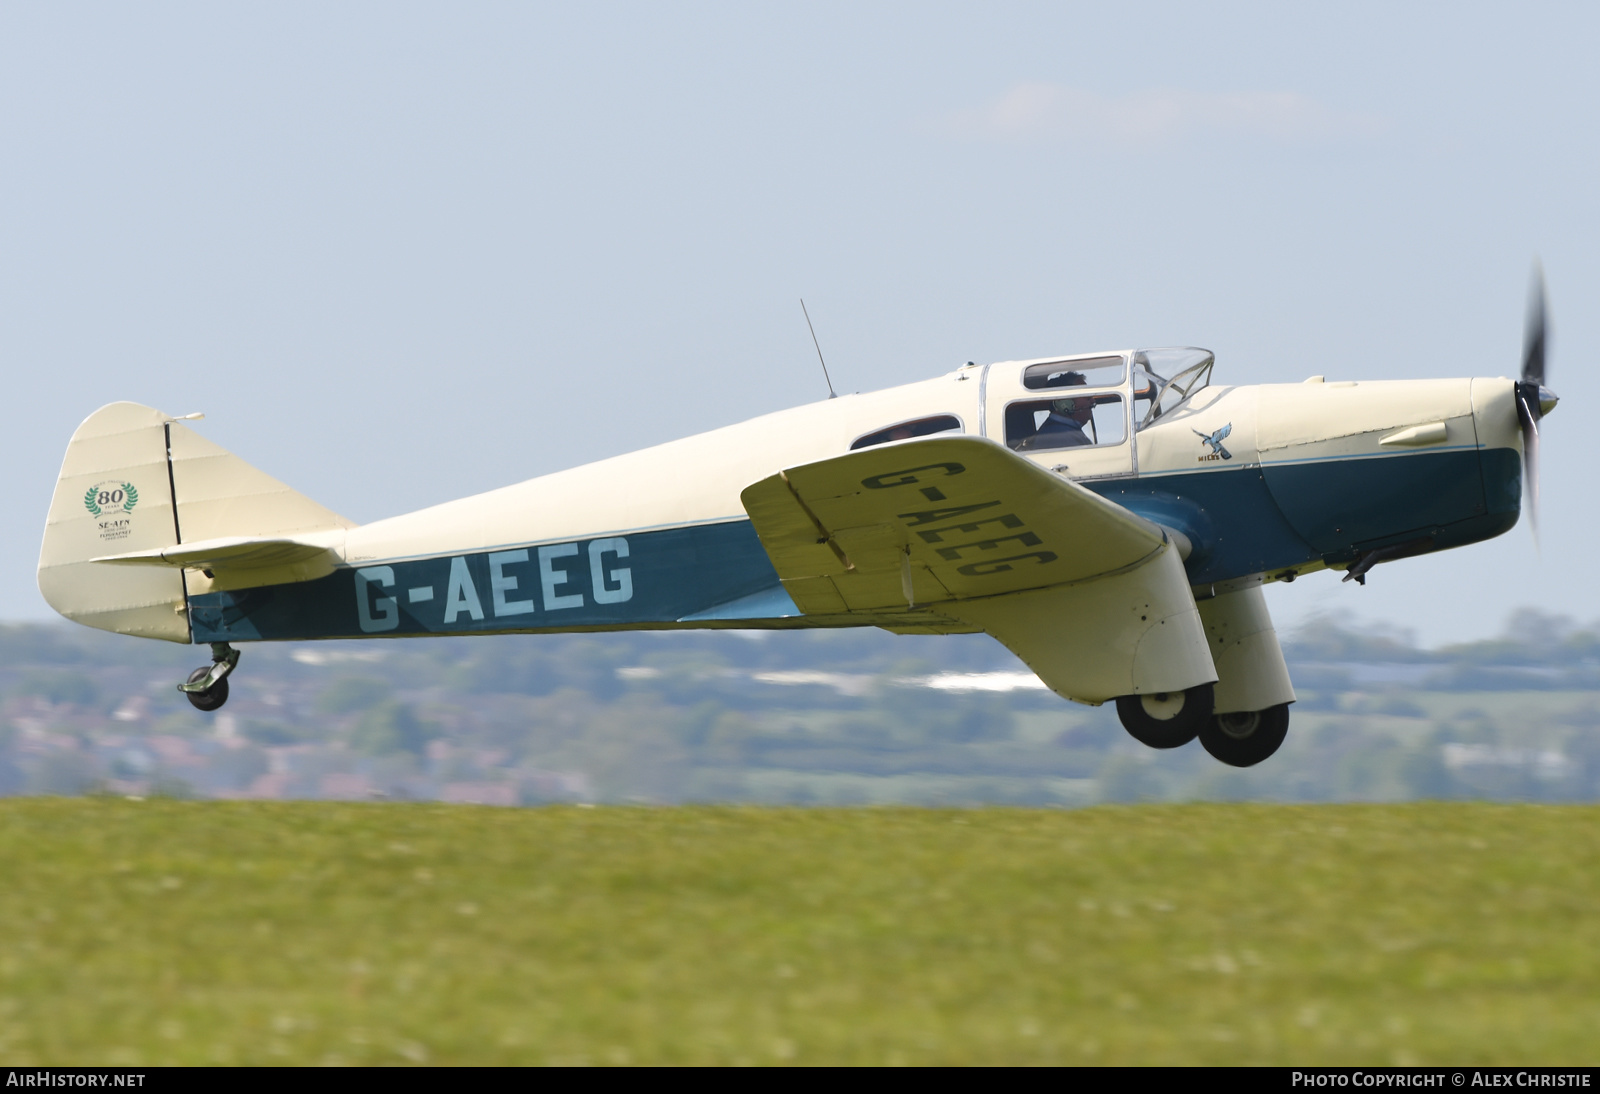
(111, 502)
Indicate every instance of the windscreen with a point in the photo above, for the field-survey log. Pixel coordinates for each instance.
(1164, 378)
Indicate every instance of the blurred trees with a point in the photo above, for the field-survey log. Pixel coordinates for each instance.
(826, 716)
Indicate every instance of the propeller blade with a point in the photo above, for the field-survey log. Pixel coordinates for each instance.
(1533, 398)
(1528, 415)
(1533, 330)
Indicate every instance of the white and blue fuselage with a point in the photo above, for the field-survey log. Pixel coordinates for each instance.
(1265, 482)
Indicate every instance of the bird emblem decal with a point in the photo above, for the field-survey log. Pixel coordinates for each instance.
(1215, 441)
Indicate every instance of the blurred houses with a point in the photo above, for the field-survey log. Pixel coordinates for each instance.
(820, 717)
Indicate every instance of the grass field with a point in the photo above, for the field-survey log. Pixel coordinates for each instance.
(163, 932)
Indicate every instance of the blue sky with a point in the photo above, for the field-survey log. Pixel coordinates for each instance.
(400, 253)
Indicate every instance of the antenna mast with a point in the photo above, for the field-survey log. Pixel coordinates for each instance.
(831, 393)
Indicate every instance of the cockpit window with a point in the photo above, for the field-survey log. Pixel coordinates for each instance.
(1038, 425)
(1163, 378)
(920, 427)
(1093, 371)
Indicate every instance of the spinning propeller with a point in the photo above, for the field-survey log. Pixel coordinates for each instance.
(1534, 400)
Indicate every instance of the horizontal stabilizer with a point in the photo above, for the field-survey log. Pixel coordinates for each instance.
(243, 559)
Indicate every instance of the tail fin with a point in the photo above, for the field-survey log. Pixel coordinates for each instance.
(137, 483)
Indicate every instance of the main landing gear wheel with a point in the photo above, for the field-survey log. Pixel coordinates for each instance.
(207, 687)
(213, 697)
(1245, 738)
(1166, 719)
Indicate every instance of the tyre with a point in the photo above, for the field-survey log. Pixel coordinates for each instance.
(1245, 738)
(213, 697)
(1168, 719)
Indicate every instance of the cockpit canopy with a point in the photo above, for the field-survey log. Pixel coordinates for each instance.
(1163, 378)
(1083, 401)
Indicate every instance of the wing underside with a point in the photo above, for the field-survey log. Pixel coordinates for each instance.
(958, 533)
(925, 522)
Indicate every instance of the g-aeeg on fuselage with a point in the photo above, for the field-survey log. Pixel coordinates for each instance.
(1108, 516)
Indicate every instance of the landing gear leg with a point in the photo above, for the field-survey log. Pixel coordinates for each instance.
(207, 687)
(1245, 738)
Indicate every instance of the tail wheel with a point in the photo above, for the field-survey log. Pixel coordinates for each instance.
(213, 697)
(1245, 738)
(1166, 719)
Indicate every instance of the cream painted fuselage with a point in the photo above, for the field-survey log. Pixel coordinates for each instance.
(1306, 476)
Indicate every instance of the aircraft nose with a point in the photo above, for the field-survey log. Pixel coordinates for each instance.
(1500, 448)
(1495, 415)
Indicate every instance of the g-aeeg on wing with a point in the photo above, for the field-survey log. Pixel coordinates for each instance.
(971, 519)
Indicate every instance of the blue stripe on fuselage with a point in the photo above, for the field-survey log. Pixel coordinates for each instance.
(1254, 520)
(1228, 514)
(611, 581)
(720, 572)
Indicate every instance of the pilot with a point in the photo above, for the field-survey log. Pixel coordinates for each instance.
(1064, 426)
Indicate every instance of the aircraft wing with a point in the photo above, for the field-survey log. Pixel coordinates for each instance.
(233, 562)
(931, 520)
